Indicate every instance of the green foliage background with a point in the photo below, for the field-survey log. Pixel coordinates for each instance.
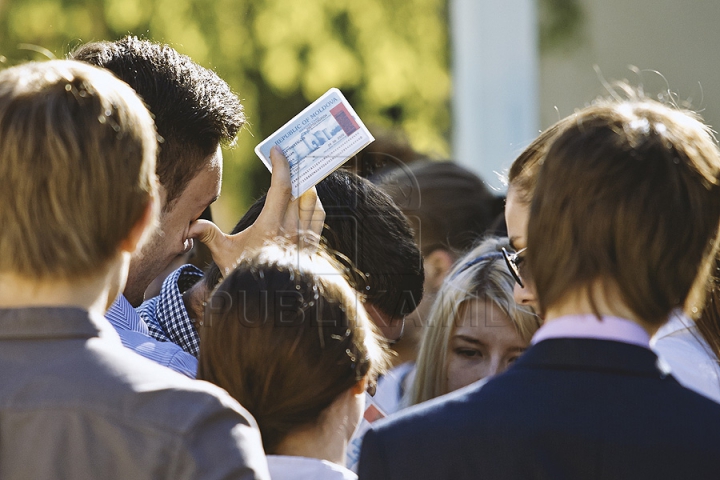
(390, 58)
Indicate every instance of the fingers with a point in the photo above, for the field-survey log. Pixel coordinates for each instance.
(318, 218)
(305, 218)
(278, 197)
(307, 203)
(313, 231)
(280, 214)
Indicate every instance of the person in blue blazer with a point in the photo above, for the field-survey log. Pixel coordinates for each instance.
(623, 227)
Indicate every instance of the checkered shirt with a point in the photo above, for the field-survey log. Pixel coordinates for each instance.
(166, 316)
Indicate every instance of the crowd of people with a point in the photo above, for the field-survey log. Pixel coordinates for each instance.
(407, 326)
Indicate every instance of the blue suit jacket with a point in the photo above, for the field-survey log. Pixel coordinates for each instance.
(567, 409)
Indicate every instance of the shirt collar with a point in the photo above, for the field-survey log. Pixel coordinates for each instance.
(123, 316)
(53, 322)
(171, 313)
(291, 467)
(677, 321)
(589, 326)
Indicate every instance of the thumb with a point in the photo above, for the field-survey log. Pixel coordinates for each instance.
(207, 233)
(225, 249)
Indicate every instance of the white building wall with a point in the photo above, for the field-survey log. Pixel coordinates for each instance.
(495, 82)
(678, 38)
(505, 91)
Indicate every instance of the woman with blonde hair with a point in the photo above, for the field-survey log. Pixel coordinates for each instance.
(289, 339)
(476, 330)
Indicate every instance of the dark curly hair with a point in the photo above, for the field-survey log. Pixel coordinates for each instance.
(372, 238)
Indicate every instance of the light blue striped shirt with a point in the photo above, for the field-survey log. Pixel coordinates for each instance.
(134, 335)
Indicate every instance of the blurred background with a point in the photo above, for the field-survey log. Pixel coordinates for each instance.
(469, 80)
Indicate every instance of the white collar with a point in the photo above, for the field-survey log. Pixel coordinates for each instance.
(284, 467)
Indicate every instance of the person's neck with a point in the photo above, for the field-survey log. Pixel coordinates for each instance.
(316, 442)
(328, 437)
(607, 303)
(91, 293)
(137, 282)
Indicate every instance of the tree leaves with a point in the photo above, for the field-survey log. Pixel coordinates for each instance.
(390, 57)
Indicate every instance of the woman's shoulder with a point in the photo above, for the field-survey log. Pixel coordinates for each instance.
(283, 467)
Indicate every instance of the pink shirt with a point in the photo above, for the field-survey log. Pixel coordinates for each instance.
(588, 326)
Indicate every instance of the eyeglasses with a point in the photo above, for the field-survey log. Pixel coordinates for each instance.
(513, 261)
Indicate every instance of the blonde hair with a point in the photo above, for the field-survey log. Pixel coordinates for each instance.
(480, 274)
(77, 160)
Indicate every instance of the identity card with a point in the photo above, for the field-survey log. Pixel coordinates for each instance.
(317, 140)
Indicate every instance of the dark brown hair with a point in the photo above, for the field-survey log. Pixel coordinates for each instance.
(627, 199)
(285, 335)
(448, 206)
(371, 237)
(194, 109)
(523, 173)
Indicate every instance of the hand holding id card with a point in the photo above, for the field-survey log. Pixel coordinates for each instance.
(317, 140)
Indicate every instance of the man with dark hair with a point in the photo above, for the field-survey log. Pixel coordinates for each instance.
(623, 229)
(195, 112)
(80, 195)
(374, 241)
(364, 225)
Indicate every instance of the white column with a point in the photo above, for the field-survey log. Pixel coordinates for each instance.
(495, 83)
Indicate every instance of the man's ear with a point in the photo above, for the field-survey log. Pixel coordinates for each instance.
(131, 243)
(437, 265)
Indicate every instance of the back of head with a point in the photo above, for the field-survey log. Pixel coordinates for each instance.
(286, 337)
(522, 177)
(481, 274)
(628, 201)
(449, 206)
(371, 235)
(194, 109)
(77, 159)
(365, 226)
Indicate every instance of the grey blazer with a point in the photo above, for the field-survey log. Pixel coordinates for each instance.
(76, 404)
